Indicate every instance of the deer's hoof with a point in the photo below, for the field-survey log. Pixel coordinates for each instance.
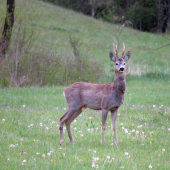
(62, 143)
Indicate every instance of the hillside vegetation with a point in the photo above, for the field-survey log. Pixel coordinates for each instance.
(53, 26)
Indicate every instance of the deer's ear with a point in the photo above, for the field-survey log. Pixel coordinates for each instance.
(112, 56)
(127, 56)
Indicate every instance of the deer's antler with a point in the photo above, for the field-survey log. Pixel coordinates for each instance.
(123, 50)
(115, 51)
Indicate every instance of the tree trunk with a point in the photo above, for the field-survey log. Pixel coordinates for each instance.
(7, 32)
(168, 21)
(92, 11)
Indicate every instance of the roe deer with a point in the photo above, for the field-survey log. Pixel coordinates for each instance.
(105, 97)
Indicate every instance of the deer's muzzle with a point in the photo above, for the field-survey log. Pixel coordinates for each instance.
(121, 69)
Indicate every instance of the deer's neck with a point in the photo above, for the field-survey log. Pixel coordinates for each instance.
(120, 82)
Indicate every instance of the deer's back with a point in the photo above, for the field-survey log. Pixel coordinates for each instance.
(94, 96)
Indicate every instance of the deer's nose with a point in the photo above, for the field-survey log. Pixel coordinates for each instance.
(121, 69)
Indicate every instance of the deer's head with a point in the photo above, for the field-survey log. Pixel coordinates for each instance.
(119, 62)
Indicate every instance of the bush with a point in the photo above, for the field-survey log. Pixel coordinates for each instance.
(26, 64)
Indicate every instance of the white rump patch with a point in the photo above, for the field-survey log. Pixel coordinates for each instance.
(64, 93)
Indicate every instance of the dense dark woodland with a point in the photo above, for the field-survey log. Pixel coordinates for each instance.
(144, 15)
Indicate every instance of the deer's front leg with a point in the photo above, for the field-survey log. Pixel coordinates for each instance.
(113, 117)
(104, 117)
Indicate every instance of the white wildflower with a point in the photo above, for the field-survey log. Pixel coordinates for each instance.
(3, 120)
(163, 150)
(12, 146)
(133, 130)
(108, 157)
(97, 158)
(48, 153)
(24, 105)
(24, 160)
(93, 165)
(43, 155)
(126, 131)
(150, 166)
(154, 105)
(126, 153)
(94, 151)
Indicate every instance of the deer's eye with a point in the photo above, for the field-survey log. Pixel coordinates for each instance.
(124, 63)
(116, 63)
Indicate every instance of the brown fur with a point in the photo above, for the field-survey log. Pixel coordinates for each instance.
(105, 97)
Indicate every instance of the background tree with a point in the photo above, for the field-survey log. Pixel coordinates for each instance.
(146, 15)
(7, 31)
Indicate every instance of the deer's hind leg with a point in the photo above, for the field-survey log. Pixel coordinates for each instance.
(68, 123)
(61, 128)
(69, 113)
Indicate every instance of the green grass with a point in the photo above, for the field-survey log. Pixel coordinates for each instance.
(25, 108)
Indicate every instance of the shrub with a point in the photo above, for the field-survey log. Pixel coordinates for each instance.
(26, 64)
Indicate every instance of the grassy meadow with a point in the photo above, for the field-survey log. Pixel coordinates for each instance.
(29, 116)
